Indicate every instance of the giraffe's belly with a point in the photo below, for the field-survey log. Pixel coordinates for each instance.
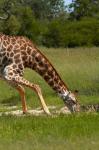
(4, 61)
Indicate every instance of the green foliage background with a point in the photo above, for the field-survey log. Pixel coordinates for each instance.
(49, 23)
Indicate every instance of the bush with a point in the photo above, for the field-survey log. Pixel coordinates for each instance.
(11, 26)
(53, 34)
(29, 25)
(56, 33)
(72, 34)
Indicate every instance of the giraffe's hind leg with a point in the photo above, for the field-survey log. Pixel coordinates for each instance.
(21, 91)
(10, 76)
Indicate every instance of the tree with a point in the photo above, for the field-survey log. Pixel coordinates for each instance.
(29, 25)
(84, 8)
(12, 26)
(46, 9)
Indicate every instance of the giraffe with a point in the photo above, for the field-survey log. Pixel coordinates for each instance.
(18, 53)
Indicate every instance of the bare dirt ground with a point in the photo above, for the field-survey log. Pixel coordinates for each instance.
(55, 111)
(35, 112)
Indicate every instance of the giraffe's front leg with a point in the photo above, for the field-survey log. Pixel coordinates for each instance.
(18, 80)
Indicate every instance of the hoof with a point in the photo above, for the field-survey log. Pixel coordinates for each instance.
(25, 113)
(48, 113)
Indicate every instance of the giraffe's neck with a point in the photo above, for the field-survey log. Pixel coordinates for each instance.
(39, 63)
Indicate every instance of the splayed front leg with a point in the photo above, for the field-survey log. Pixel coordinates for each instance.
(38, 91)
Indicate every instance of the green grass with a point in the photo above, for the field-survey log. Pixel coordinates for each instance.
(61, 133)
(79, 68)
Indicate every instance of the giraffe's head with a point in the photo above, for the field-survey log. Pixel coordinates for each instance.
(71, 102)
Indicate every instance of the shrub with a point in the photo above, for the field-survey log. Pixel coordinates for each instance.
(29, 25)
(11, 26)
(72, 34)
